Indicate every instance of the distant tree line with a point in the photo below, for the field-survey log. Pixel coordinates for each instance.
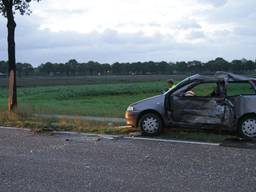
(73, 68)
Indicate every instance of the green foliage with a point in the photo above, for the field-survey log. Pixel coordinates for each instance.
(96, 100)
(74, 68)
(204, 89)
(3, 67)
(20, 6)
(234, 89)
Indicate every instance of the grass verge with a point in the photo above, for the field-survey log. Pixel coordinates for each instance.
(39, 124)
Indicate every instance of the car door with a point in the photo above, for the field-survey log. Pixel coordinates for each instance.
(204, 108)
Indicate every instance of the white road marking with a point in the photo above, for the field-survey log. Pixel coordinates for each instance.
(111, 137)
(172, 141)
(138, 138)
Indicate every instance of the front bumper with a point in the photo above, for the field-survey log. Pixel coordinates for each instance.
(131, 118)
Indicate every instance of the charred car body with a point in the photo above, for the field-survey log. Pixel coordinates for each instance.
(224, 100)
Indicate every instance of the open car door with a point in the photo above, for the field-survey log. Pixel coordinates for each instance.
(201, 110)
(198, 110)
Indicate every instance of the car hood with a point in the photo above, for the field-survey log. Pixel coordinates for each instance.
(151, 102)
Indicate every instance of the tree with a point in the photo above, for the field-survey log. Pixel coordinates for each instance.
(181, 66)
(8, 8)
(71, 66)
(24, 69)
(3, 67)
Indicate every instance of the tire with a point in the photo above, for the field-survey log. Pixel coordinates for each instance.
(150, 124)
(247, 127)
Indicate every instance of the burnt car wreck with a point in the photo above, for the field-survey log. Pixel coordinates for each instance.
(224, 100)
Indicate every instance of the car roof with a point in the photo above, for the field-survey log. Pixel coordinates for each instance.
(220, 76)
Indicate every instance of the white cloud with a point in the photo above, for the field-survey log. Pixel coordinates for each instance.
(187, 24)
(196, 35)
(215, 3)
(132, 30)
(147, 16)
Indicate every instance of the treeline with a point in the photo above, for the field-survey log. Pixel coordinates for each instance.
(73, 68)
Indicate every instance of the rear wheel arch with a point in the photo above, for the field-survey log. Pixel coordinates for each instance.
(243, 117)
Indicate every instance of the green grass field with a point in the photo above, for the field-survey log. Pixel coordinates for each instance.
(96, 100)
(109, 99)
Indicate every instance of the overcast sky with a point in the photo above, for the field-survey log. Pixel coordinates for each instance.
(134, 30)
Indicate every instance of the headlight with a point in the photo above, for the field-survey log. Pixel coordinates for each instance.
(130, 108)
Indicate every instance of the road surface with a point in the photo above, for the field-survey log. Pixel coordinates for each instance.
(60, 163)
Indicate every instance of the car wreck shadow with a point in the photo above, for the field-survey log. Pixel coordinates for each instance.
(237, 142)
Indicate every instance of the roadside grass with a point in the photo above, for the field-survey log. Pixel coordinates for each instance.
(42, 125)
(38, 124)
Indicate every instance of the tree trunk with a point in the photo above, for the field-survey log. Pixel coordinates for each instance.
(12, 95)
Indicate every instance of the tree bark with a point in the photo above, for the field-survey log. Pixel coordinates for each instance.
(12, 95)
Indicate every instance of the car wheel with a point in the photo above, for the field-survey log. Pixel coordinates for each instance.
(150, 124)
(247, 127)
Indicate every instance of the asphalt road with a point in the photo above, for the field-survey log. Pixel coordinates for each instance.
(31, 162)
